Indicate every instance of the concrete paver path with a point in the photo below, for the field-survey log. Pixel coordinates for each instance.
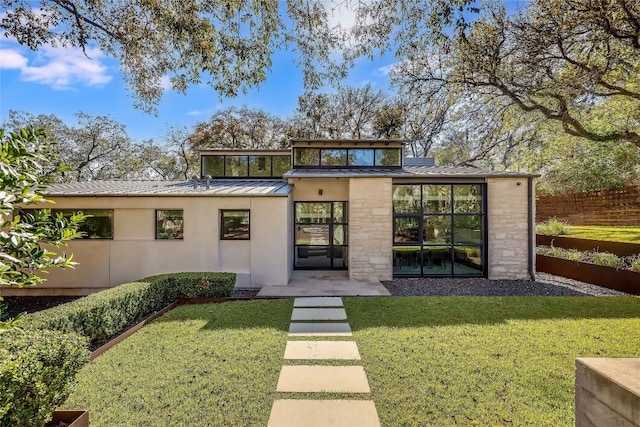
(322, 378)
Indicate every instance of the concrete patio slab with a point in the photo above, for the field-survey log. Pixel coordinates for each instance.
(309, 379)
(318, 314)
(320, 329)
(322, 350)
(323, 413)
(318, 302)
(323, 283)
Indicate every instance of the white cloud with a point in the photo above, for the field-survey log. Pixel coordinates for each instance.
(60, 68)
(200, 112)
(165, 83)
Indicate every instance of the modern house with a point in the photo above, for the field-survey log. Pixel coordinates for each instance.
(353, 205)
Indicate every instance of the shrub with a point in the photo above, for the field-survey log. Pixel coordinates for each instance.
(605, 259)
(570, 254)
(634, 262)
(101, 315)
(553, 226)
(37, 370)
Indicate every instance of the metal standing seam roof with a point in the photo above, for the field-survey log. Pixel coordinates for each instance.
(220, 188)
(405, 172)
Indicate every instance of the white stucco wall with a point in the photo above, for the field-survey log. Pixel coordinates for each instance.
(134, 253)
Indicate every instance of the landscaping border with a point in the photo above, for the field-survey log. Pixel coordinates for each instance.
(620, 280)
(70, 418)
(621, 249)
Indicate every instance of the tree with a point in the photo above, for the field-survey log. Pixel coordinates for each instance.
(25, 239)
(227, 44)
(97, 147)
(571, 62)
(244, 128)
(174, 159)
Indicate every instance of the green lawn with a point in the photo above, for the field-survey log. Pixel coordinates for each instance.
(485, 361)
(430, 361)
(199, 365)
(613, 234)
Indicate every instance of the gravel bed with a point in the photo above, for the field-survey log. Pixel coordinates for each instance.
(545, 285)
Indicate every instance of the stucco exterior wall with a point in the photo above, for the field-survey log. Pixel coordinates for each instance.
(508, 228)
(134, 253)
(370, 229)
(307, 189)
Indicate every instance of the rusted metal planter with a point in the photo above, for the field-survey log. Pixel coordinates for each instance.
(619, 248)
(607, 277)
(70, 418)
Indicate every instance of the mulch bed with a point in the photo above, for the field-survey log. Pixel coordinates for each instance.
(25, 304)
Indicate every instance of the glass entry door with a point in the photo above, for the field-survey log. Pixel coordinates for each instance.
(321, 236)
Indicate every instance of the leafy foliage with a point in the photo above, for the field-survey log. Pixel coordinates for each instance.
(553, 226)
(103, 314)
(21, 253)
(37, 374)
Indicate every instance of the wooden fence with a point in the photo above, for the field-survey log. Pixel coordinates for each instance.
(607, 207)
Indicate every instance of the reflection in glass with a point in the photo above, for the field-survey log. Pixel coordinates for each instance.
(259, 166)
(361, 157)
(406, 230)
(213, 166)
(406, 198)
(436, 260)
(312, 257)
(467, 198)
(467, 229)
(316, 213)
(235, 225)
(388, 157)
(467, 260)
(339, 234)
(333, 157)
(406, 260)
(339, 212)
(169, 224)
(436, 198)
(236, 166)
(437, 229)
(281, 164)
(306, 156)
(312, 234)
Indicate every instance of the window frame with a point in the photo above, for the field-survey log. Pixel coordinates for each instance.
(157, 219)
(222, 229)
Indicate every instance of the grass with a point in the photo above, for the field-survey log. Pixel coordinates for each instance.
(613, 234)
(485, 361)
(213, 364)
(430, 361)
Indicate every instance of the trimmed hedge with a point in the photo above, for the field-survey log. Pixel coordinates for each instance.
(37, 374)
(103, 314)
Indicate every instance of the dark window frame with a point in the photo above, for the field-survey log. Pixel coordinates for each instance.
(169, 238)
(319, 164)
(71, 211)
(222, 229)
(451, 246)
(248, 156)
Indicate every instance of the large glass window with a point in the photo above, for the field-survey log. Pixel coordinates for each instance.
(169, 224)
(360, 157)
(333, 157)
(236, 166)
(259, 166)
(234, 225)
(341, 157)
(388, 157)
(321, 235)
(98, 223)
(306, 156)
(439, 230)
(281, 165)
(212, 166)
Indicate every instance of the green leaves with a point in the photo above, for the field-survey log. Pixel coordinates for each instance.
(22, 255)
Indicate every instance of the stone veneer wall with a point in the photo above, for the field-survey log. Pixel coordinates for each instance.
(370, 229)
(507, 221)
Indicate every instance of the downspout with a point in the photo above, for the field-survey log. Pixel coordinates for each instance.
(531, 228)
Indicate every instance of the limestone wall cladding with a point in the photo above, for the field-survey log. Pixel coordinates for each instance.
(508, 228)
(370, 228)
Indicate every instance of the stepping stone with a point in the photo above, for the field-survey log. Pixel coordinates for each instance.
(324, 350)
(310, 379)
(318, 302)
(323, 413)
(320, 329)
(319, 314)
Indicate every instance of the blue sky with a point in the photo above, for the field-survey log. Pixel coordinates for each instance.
(64, 81)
